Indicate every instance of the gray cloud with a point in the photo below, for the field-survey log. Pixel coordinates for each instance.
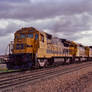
(14, 1)
(69, 26)
(11, 28)
(66, 25)
(45, 9)
(74, 16)
(73, 23)
(48, 9)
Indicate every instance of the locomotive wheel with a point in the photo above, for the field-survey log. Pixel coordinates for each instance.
(43, 63)
(50, 61)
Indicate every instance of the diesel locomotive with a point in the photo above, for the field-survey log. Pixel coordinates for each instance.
(34, 48)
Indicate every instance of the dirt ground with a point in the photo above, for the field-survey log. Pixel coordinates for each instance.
(89, 85)
(89, 89)
(77, 81)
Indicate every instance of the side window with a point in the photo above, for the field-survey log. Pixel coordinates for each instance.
(16, 37)
(42, 38)
(30, 35)
(36, 36)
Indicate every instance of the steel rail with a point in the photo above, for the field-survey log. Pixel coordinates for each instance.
(34, 77)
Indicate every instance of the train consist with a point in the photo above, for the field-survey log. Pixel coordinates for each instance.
(33, 48)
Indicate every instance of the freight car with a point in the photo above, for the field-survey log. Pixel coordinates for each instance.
(33, 48)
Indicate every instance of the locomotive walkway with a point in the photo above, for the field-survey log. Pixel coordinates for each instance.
(12, 80)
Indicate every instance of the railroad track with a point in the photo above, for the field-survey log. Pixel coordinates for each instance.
(37, 75)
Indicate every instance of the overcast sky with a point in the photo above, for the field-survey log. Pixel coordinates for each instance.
(70, 19)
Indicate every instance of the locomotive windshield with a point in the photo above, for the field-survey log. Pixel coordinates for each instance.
(30, 35)
(22, 36)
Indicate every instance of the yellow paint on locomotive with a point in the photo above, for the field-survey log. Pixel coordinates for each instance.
(30, 40)
(42, 45)
(87, 51)
(25, 42)
(90, 52)
(73, 49)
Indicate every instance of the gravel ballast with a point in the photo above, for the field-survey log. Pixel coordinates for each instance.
(77, 81)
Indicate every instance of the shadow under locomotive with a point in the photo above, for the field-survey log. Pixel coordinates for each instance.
(20, 61)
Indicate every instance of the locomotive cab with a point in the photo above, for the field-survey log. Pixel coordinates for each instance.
(26, 43)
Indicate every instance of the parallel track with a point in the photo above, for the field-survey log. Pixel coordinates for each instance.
(37, 75)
